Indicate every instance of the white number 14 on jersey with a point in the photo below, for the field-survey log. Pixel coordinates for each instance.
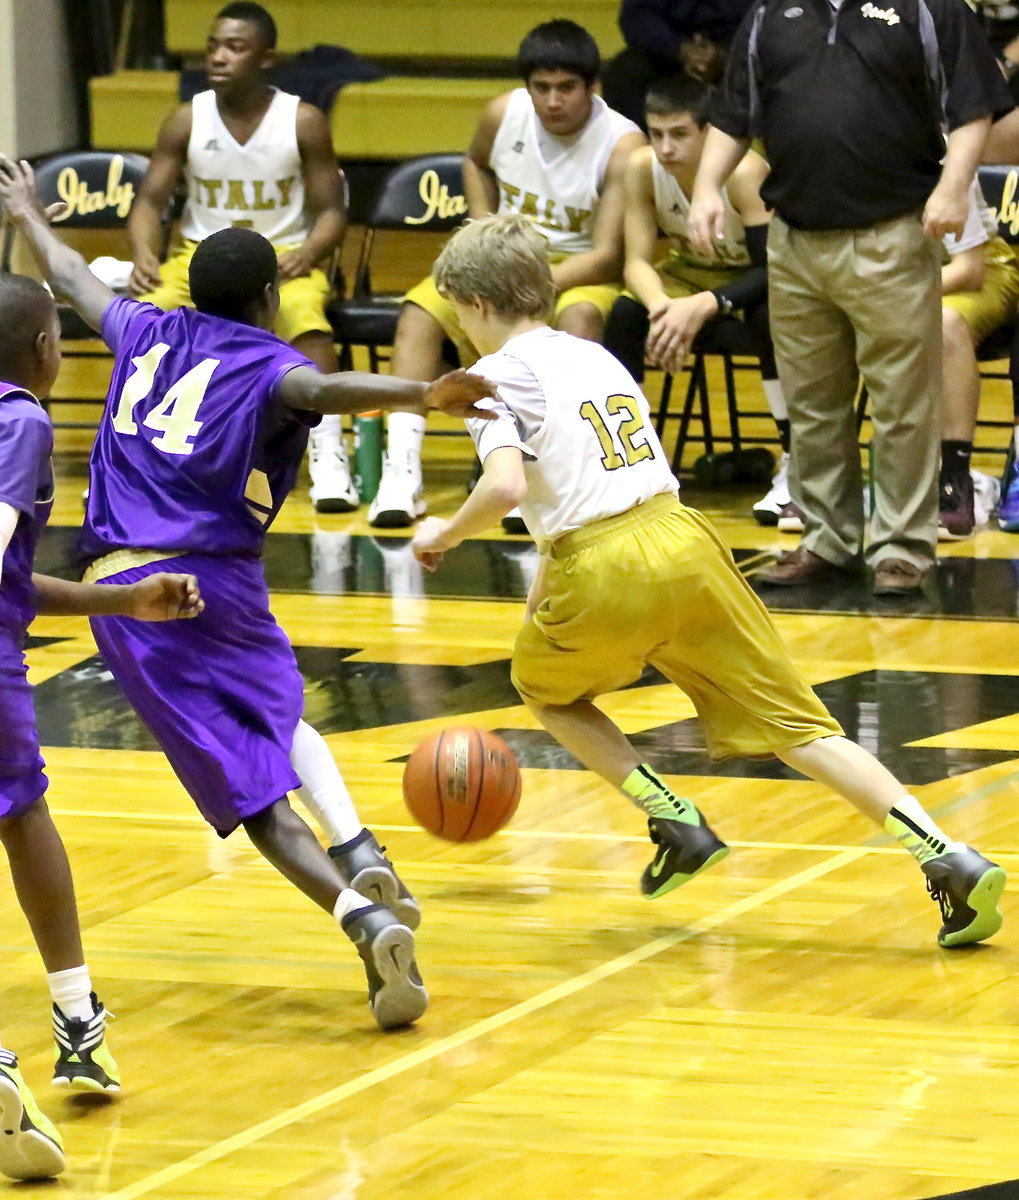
(175, 416)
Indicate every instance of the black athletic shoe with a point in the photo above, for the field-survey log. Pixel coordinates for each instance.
(683, 852)
(967, 887)
(84, 1061)
(513, 522)
(396, 994)
(364, 865)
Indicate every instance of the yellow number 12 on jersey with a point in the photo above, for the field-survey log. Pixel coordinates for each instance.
(632, 451)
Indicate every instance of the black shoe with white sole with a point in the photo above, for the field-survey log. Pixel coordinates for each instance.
(364, 866)
(396, 993)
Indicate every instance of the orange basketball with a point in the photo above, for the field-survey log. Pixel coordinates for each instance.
(462, 784)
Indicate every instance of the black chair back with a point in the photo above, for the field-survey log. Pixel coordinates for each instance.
(425, 194)
(1000, 186)
(97, 186)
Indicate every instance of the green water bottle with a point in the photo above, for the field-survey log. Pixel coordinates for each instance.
(367, 454)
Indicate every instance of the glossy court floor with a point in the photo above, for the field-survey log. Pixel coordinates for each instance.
(784, 1028)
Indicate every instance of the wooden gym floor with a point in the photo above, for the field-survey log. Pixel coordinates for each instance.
(784, 1028)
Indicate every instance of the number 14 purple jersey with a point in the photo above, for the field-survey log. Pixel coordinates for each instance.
(195, 450)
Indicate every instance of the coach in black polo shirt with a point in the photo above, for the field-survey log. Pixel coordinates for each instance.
(853, 101)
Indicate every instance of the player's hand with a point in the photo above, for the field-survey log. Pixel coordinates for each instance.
(706, 223)
(945, 211)
(458, 393)
(165, 597)
(295, 263)
(430, 542)
(17, 190)
(145, 276)
(675, 325)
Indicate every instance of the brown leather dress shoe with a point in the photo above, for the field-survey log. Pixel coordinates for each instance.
(797, 567)
(897, 577)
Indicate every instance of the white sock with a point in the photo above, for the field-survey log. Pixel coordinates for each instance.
(405, 433)
(326, 434)
(776, 399)
(916, 832)
(348, 901)
(323, 792)
(71, 992)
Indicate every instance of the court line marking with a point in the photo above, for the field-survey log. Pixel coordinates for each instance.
(870, 846)
(525, 1008)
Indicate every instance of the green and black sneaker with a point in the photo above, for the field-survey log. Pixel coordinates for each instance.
(30, 1147)
(967, 887)
(84, 1061)
(684, 851)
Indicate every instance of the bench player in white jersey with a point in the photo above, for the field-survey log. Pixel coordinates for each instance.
(630, 576)
(671, 298)
(554, 151)
(253, 156)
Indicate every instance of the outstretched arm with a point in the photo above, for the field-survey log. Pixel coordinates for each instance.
(157, 597)
(499, 490)
(358, 391)
(64, 269)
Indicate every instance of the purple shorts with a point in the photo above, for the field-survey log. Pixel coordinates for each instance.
(221, 693)
(22, 781)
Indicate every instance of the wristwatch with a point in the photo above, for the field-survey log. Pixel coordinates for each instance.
(725, 305)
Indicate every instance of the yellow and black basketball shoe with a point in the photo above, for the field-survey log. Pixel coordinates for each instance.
(684, 850)
(30, 1147)
(84, 1061)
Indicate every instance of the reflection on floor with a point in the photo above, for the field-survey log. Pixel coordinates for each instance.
(337, 563)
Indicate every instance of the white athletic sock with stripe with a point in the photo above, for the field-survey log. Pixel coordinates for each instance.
(916, 832)
(349, 901)
(71, 992)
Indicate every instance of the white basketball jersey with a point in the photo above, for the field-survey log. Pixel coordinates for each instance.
(583, 426)
(259, 185)
(673, 211)
(555, 180)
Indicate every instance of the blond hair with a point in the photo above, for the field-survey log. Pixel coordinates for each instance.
(502, 259)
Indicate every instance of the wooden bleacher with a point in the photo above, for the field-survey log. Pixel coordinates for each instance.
(449, 58)
(394, 118)
(420, 29)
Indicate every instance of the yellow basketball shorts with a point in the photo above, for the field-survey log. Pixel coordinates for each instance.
(426, 295)
(657, 585)
(995, 303)
(681, 279)
(302, 300)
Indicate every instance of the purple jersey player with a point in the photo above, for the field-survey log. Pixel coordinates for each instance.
(204, 427)
(30, 1146)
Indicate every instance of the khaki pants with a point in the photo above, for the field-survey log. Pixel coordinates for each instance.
(846, 303)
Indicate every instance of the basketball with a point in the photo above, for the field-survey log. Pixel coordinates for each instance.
(462, 784)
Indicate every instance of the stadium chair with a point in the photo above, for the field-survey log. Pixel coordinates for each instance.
(424, 195)
(99, 188)
(728, 340)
